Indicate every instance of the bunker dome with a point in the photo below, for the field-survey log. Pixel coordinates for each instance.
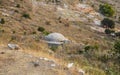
(56, 37)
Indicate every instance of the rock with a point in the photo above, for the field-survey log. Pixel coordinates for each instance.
(53, 65)
(13, 46)
(5, 14)
(35, 64)
(81, 72)
(66, 6)
(50, 51)
(97, 22)
(12, 0)
(70, 65)
(46, 59)
(41, 58)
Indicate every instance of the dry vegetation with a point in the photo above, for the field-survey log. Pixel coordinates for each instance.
(23, 19)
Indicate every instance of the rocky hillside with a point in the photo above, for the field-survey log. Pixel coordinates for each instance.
(89, 48)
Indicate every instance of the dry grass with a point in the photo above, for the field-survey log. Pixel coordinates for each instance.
(78, 32)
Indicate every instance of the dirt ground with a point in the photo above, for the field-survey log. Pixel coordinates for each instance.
(15, 62)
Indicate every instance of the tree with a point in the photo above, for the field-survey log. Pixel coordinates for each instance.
(106, 22)
(106, 10)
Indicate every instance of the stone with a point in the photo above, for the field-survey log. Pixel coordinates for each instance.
(46, 59)
(13, 46)
(70, 65)
(53, 65)
(81, 72)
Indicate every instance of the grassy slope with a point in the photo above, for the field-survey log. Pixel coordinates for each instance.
(77, 31)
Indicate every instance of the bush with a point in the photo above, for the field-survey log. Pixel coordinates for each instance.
(41, 29)
(111, 71)
(119, 19)
(116, 50)
(2, 21)
(90, 48)
(104, 58)
(46, 32)
(87, 48)
(117, 34)
(2, 30)
(13, 32)
(25, 33)
(54, 48)
(18, 5)
(109, 31)
(108, 23)
(47, 23)
(34, 32)
(25, 15)
(106, 10)
(117, 47)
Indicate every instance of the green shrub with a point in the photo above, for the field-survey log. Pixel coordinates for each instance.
(96, 47)
(16, 11)
(25, 15)
(13, 32)
(104, 58)
(106, 10)
(2, 21)
(13, 38)
(117, 34)
(41, 29)
(89, 48)
(111, 71)
(109, 31)
(47, 23)
(2, 30)
(46, 32)
(54, 48)
(34, 32)
(117, 48)
(108, 23)
(94, 71)
(119, 19)
(25, 33)
(18, 5)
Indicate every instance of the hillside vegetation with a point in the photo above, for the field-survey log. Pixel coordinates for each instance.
(92, 26)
